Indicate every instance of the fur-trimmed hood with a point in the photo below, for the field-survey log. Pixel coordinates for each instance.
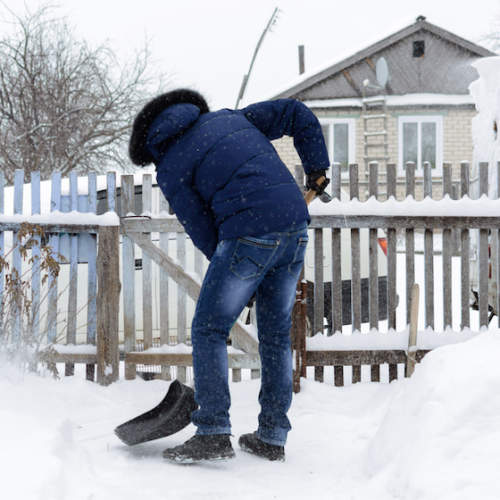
(139, 152)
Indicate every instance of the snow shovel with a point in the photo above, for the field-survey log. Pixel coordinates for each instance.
(170, 416)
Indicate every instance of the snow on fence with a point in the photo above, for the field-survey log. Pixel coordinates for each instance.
(67, 224)
(157, 279)
(477, 224)
(160, 273)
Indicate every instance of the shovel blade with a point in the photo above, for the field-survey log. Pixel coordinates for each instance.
(171, 415)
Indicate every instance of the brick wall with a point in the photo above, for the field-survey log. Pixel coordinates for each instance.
(457, 141)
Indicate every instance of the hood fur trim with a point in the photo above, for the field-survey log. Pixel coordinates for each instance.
(137, 145)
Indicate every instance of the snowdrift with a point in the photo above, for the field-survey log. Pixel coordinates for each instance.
(440, 437)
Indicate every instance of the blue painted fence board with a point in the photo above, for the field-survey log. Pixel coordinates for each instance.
(35, 273)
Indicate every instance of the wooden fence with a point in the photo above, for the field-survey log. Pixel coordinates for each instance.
(405, 228)
(160, 273)
(56, 305)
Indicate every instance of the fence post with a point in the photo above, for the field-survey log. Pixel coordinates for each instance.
(355, 268)
(108, 303)
(465, 251)
(483, 252)
(446, 255)
(373, 267)
(128, 273)
(428, 255)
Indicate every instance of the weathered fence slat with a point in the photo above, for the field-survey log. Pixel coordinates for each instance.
(164, 312)
(92, 275)
(410, 241)
(447, 249)
(182, 304)
(412, 338)
(128, 272)
(55, 205)
(35, 253)
(428, 255)
(391, 267)
(355, 268)
(465, 252)
(108, 305)
(336, 259)
(319, 303)
(73, 276)
(483, 252)
(336, 290)
(147, 276)
(373, 267)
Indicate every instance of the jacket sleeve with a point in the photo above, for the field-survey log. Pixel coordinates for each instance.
(192, 212)
(291, 117)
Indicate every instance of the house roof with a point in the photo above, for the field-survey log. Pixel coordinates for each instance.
(421, 24)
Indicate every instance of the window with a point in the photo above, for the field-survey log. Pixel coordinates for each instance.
(419, 48)
(339, 134)
(420, 141)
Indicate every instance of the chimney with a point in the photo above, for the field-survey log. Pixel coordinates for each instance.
(302, 66)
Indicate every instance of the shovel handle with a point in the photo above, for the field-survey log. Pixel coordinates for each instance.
(311, 194)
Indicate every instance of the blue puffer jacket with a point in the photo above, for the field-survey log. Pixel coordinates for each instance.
(221, 174)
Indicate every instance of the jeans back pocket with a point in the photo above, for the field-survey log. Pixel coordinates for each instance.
(251, 256)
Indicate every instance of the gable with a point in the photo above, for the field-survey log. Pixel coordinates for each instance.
(445, 67)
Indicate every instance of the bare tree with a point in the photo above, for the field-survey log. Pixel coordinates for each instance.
(64, 105)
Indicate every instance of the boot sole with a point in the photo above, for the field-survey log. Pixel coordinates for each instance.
(189, 460)
(260, 455)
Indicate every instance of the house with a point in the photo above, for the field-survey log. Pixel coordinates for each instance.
(419, 110)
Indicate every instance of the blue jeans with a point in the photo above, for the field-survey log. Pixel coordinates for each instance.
(269, 265)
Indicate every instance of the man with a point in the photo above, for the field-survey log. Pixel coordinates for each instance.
(242, 208)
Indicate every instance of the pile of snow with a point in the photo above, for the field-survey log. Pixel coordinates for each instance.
(433, 436)
(486, 94)
(440, 437)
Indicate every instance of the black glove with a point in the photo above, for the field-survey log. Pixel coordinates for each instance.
(312, 179)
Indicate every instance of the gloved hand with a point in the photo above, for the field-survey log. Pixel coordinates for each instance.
(312, 178)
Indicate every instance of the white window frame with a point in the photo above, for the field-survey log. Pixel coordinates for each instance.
(419, 119)
(351, 130)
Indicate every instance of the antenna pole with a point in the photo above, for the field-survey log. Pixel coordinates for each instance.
(246, 77)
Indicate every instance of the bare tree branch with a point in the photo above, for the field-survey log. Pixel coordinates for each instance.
(65, 105)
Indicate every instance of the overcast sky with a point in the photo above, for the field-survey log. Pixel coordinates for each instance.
(208, 44)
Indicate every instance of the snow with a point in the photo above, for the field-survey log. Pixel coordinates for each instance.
(446, 207)
(74, 349)
(486, 93)
(435, 435)
(56, 217)
(376, 340)
(420, 99)
(439, 437)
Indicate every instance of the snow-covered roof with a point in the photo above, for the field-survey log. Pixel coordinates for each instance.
(396, 100)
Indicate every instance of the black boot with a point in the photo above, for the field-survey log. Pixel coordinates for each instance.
(252, 444)
(199, 448)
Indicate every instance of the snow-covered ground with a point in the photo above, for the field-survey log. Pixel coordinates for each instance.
(433, 436)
